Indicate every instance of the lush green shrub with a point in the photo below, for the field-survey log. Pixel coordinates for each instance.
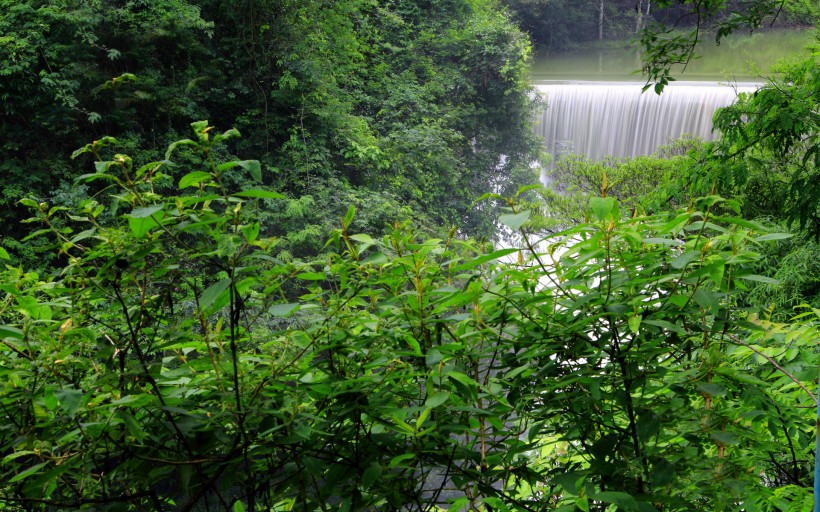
(177, 364)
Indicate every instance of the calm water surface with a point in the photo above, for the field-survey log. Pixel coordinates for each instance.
(739, 58)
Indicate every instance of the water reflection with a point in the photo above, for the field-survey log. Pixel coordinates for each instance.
(739, 58)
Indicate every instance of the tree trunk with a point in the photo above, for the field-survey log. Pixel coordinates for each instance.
(638, 16)
(641, 15)
(600, 20)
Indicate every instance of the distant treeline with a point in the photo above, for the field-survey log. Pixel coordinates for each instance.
(563, 24)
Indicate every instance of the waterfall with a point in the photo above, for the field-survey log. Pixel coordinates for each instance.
(599, 119)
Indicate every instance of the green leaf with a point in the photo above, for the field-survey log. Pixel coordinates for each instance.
(514, 221)
(193, 179)
(370, 475)
(773, 236)
(684, 259)
(175, 145)
(252, 166)
(725, 438)
(399, 459)
(635, 323)
(134, 427)
(311, 276)
(484, 259)
(712, 389)
(436, 399)
(71, 400)
(28, 472)
(351, 212)
(259, 194)
(663, 324)
(87, 178)
(142, 213)
(758, 279)
(238, 506)
(459, 505)
(7, 331)
(4, 255)
(464, 380)
(362, 237)
(142, 220)
(662, 241)
(622, 500)
(603, 207)
(50, 399)
(251, 231)
(706, 299)
(663, 472)
(212, 293)
(31, 203)
(283, 310)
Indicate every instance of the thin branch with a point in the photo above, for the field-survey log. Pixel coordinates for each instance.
(774, 363)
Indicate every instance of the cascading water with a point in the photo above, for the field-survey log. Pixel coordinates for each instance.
(599, 119)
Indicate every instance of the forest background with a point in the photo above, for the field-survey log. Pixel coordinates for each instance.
(313, 316)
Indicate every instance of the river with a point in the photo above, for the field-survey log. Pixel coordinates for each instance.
(739, 58)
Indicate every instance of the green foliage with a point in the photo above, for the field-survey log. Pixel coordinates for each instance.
(178, 364)
(638, 183)
(665, 47)
(769, 151)
(418, 103)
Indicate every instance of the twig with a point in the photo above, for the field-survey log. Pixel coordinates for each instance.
(774, 363)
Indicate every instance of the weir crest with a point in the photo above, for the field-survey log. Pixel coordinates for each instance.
(599, 119)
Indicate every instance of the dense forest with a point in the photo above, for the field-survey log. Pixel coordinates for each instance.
(273, 255)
